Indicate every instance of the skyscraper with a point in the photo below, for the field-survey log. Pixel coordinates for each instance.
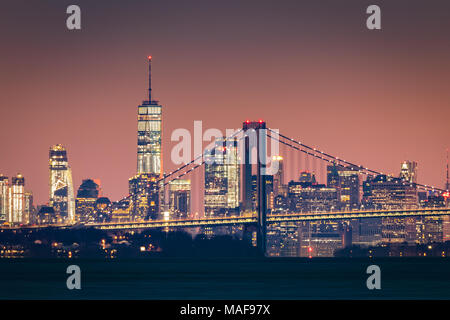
(144, 195)
(222, 178)
(388, 192)
(278, 178)
(408, 171)
(3, 198)
(180, 197)
(28, 210)
(144, 189)
(16, 199)
(86, 200)
(348, 184)
(61, 186)
(149, 146)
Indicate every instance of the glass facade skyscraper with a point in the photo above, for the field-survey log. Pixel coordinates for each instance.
(408, 171)
(61, 186)
(347, 182)
(149, 146)
(146, 200)
(149, 138)
(3, 198)
(16, 199)
(222, 178)
(85, 203)
(180, 197)
(144, 193)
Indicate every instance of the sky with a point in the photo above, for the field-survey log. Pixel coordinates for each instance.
(308, 68)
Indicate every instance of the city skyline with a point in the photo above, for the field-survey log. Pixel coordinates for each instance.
(337, 92)
(191, 152)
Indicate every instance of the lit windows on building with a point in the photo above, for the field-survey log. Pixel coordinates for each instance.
(408, 171)
(386, 192)
(222, 178)
(86, 201)
(149, 128)
(278, 177)
(121, 210)
(28, 209)
(16, 199)
(4, 205)
(347, 182)
(180, 197)
(61, 186)
(303, 196)
(149, 138)
(144, 197)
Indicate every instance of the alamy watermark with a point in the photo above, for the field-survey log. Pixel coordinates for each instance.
(227, 147)
(74, 280)
(374, 280)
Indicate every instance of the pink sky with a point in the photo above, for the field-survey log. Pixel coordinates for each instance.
(375, 98)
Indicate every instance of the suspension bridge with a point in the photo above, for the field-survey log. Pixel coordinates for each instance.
(260, 216)
(272, 218)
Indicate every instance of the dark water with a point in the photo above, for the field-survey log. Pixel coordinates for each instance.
(401, 278)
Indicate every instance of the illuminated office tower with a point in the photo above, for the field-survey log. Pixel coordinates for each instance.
(386, 192)
(46, 215)
(278, 180)
(283, 239)
(4, 205)
(28, 210)
(61, 186)
(430, 229)
(103, 209)
(144, 192)
(348, 184)
(120, 211)
(408, 171)
(222, 178)
(149, 133)
(16, 199)
(86, 201)
(307, 178)
(180, 197)
(309, 197)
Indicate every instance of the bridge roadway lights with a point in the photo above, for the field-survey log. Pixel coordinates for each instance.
(292, 217)
(252, 219)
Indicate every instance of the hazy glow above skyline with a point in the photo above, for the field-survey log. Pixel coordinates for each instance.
(312, 70)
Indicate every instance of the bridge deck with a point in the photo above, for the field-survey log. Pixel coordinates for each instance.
(251, 219)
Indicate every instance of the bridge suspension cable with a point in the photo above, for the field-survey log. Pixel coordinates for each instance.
(189, 163)
(335, 160)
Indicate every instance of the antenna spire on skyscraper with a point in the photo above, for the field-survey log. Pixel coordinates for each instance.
(149, 132)
(149, 78)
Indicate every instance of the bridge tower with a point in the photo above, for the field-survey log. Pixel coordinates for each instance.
(255, 137)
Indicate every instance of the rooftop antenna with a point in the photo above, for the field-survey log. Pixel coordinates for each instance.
(150, 78)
